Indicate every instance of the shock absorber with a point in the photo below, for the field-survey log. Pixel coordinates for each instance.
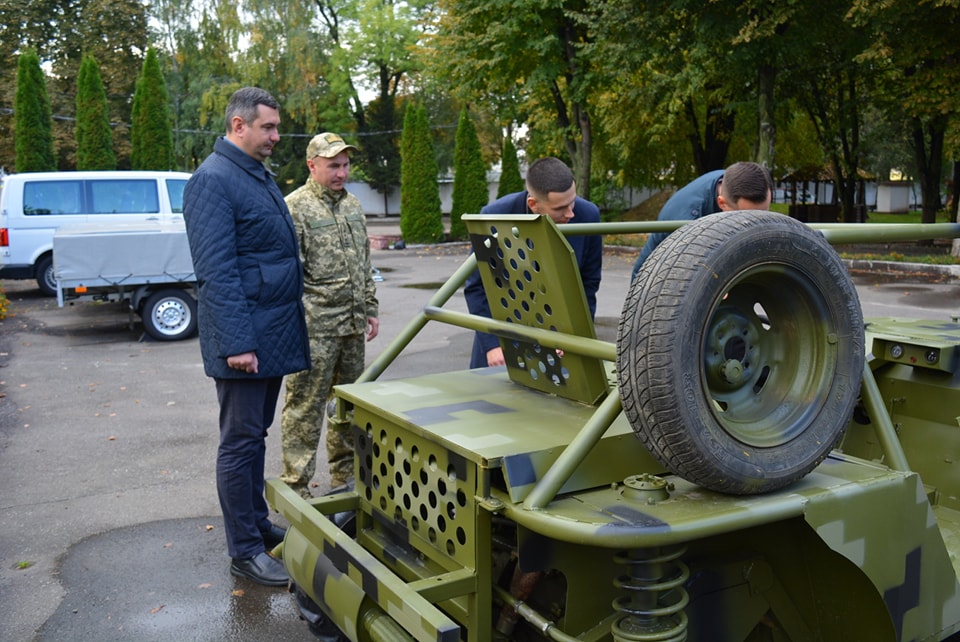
(654, 596)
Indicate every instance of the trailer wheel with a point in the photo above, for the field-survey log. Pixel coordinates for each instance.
(740, 350)
(46, 279)
(169, 315)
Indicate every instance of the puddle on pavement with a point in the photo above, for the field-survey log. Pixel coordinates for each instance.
(165, 580)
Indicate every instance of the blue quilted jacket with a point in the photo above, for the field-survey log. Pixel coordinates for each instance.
(246, 257)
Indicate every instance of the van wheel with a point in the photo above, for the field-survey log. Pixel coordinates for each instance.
(169, 315)
(45, 277)
(740, 351)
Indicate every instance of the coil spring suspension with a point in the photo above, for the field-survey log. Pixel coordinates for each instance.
(655, 598)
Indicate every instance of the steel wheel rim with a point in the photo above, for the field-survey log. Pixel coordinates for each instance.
(768, 355)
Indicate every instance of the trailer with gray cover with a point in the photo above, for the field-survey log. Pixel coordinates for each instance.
(146, 267)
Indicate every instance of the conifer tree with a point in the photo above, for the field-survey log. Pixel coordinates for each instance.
(151, 133)
(33, 123)
(93, 135)
(470, 192)
(510, 179)
(420, 214)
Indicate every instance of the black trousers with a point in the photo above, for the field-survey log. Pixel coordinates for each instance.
(247, 408)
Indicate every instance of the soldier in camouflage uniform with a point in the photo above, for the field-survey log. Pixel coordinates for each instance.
(341, 311)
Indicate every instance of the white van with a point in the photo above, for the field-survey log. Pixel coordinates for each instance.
(34, 205)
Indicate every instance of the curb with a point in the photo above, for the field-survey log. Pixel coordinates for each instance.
(940, 273)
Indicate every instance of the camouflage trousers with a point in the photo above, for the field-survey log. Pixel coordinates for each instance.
(336, 360)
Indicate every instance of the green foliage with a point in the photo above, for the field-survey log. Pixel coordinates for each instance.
(200, 66)
(420, 215)
(62, 32)
(150, 130)
(93, 134)
(115, 33)
(470, 191)
(638, 94)
(510, 179)
(381, 156)
(914, 46)
(531, 53)
(34, 124)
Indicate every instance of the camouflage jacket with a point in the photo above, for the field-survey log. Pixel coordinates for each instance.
(338, 292)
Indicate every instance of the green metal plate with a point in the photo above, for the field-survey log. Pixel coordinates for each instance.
(481, 416)
(530, 276)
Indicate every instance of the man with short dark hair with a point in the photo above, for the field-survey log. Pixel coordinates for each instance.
(551, 191)
(250, 313)
(742, 186)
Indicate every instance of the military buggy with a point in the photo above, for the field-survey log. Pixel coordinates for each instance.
(752, 461)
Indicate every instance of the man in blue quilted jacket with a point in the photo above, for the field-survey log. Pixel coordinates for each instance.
(250, 313)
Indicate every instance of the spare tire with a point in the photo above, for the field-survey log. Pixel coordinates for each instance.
(740, 351)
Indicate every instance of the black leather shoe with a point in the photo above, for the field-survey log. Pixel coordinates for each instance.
(262, 569)
(274, 536)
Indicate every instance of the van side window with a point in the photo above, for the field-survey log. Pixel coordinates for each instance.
(124, 197)
(52, 197)
(175, 190)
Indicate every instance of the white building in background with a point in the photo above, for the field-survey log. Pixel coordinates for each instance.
(376, 204)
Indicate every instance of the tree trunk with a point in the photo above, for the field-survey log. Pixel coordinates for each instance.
(767, 127)
(955, 197)
(930, 163)
(710, 146)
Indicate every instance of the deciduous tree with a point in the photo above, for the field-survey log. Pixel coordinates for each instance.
(914, 44)
(485, 48)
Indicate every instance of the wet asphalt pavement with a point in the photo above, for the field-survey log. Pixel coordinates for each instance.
(109, 522)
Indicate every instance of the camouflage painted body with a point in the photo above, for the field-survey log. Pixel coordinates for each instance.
(339, 296)
(489, 508)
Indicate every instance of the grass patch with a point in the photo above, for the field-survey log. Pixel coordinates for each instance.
(897, 257)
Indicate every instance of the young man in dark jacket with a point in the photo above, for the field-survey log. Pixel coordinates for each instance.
(250, 314)
(551, 191)
(742, 186)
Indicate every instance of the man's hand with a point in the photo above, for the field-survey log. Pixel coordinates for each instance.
(373, 327)
(495, 357)
(246, 362)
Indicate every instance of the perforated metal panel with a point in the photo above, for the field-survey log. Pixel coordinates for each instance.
(531, 277)
(424, 492)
